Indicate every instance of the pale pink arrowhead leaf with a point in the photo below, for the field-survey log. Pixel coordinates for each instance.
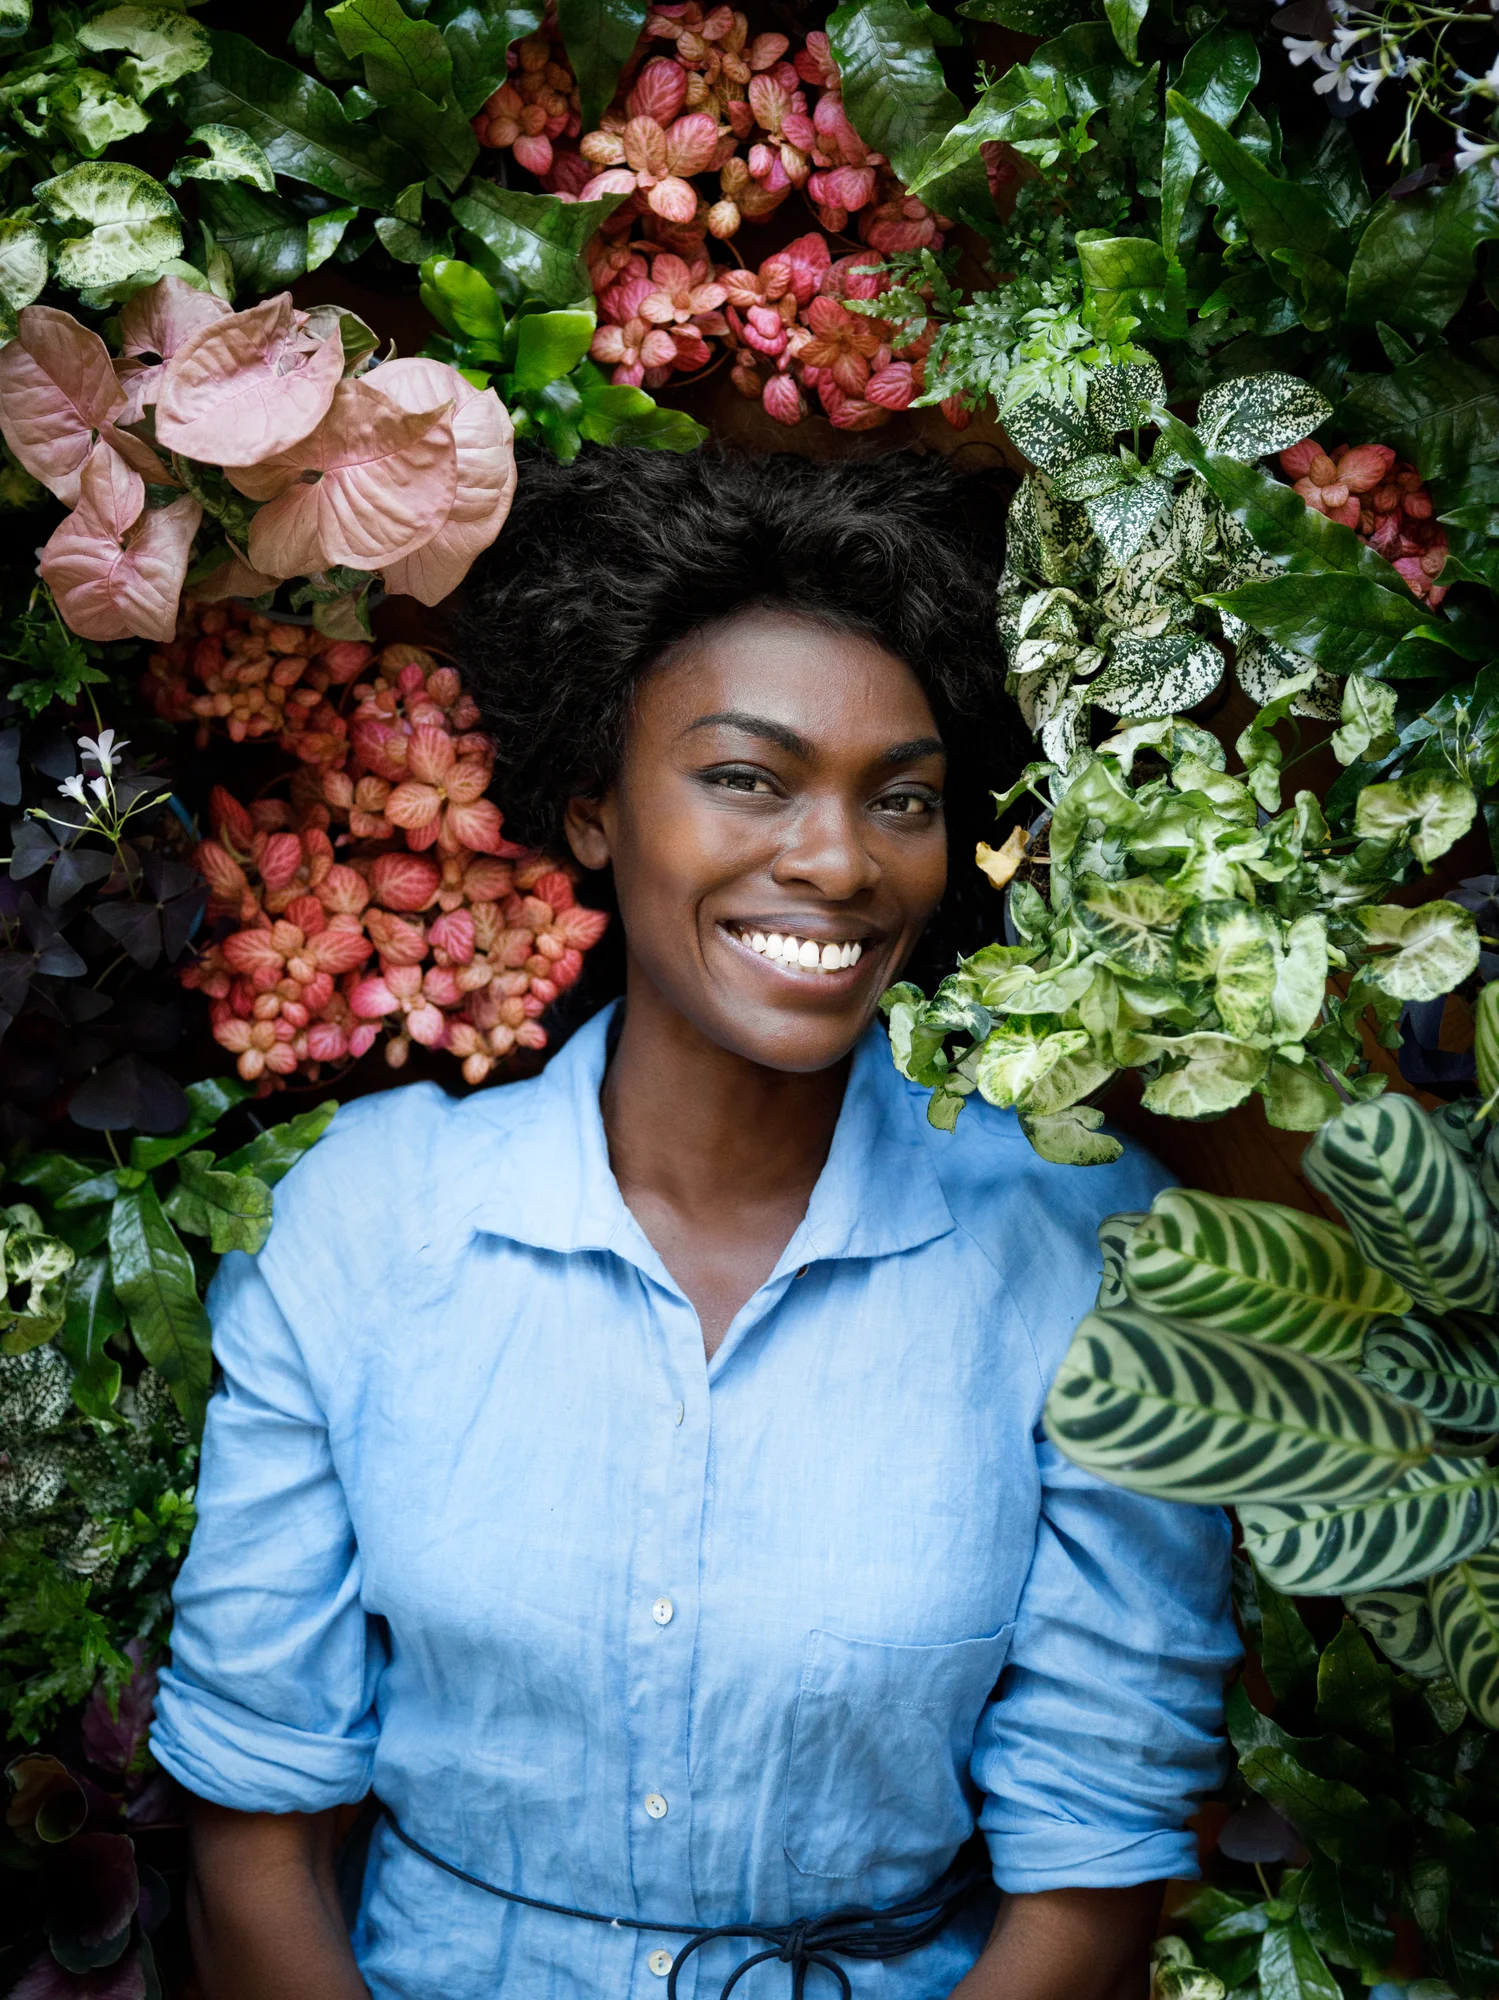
(232, 578)
(247, 386)
(57, 386)
(484, 438)
(371, 484)
(115, 566)
(156, 323)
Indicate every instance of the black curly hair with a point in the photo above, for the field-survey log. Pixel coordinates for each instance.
(606, 563)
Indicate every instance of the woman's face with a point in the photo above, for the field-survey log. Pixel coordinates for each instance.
(780, 781)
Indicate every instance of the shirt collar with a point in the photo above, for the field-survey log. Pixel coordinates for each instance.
(546, 1180)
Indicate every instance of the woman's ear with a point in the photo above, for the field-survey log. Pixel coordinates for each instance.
(584, 825)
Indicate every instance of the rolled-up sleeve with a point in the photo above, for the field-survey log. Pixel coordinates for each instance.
(268, 1704)
(1109, 1721)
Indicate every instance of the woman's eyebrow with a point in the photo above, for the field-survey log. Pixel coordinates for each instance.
(919, 746)
(755, 725)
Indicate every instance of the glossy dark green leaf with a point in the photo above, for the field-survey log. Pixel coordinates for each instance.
(1441, 411)
(478, 32)
(53, 1175)
(1416, 261)
(1280, 214)
(264, 238)
(1217, 74)
(94, 1314)
(1292, 1968)
(236, 1208)
(274, 1153)
(894, 90)
(399, 54)
(298, 124)
(1288, 1652)
(1028, 17)
(599, 36)
(210, 1100)
(548, 345)
(437, 134)
(1355, 1691)
(1340, 1905)
(1347, 624)
(1326, 1812)
(154, 1278)
(1126, 17)
(531, 245)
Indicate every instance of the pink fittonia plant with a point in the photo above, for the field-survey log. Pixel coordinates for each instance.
(402, 472)
(381, 898)
(1385, 502)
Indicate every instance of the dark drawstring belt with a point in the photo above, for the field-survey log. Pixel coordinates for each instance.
(857, 1932)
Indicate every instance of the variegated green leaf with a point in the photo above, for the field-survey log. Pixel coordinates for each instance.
(1187, 1414)
(1368, 711)
(1257, 414)
(1465, 1611)
(1430, 949)
(1257, 1269)
(1206, 1074)
(1399, 1623)
(1114, 1234)
(1149, 676)
(1411, 1204)
(1071, 1138)
(1486, 1040)
(1435, 1514)
(1231, 946)
(1123, 518)
(1428, 808)
(1131, 922)
(1449, 1369)
(1011, 1063)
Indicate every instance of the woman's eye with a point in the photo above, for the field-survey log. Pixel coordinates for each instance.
(908, 805)
(742, 781)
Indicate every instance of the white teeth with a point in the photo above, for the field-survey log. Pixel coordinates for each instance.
(845, 955)
(772, 945)
(804, 953)
(832, 958)
(809, 956)
(857, 952)
(758, 941)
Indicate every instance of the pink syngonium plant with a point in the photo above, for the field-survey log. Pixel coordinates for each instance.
(404, 471)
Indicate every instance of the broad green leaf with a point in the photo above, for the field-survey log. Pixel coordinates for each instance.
(1301, 966)
(615, 414)
(1010, 1065)
(477, 33)
(1257, 744)
(1486, 1040)
(113, 220)
(298, 124)
(599, 36)
(1292, 1968)
(1415, 261)
(1465, 1611)
(894, 91)
(399, 54)
(1072, 1137)
(208, 1102)
(1433, 948)
(165, 44)
(153, 1276)
(264, 237)
(1287, 1650)
(23, 262)
(1279, 214)
(1355, 1691)
(55, 1175)
(15, 18)
(1217, 74)
(1434, 1514)
(1297, 1097)
(1188, 1414)
(531, 245)
(1231, 947)
(1429, 808)
(1125, 17)
(1217, 1073)
(548, 345)
(1114, 1235)
(1399, 1623)
(1448, 1367)
(272, 1154)
(1441, 411)
(1259, 1270)
(237, 1207)
(1367, 717)
(1411, 1204)
(93, 1315)
(95, 115)
(462, 300)
(1326, 1812)
(232, 156)
(1250, 416)
(1347, 624)
(1131, 922)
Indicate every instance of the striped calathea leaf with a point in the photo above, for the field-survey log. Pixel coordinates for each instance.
(1436, 1513)
(1465, 1612)
(1447, 1367)
(1400, 1624)
(1189, 1414)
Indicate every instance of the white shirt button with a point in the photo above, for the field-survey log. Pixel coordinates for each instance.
(662, 1610)
(678, 1413)
(655, 1805)
(660, 1963)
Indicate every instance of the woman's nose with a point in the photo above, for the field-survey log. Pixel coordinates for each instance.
(827, 853)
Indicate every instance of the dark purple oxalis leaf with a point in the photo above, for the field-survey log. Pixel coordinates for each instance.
(92, 1892)
(47, 1980)
(129, 1092)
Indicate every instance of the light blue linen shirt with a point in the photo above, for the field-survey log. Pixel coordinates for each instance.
(617, 1627)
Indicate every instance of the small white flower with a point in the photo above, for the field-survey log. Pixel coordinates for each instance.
(1301, 51)
(72, 788)
(103, 749)
(100, 789)
(1472, 152)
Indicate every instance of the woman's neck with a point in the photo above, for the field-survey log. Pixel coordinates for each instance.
(715, 1156)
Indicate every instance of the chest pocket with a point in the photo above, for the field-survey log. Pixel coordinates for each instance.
(880, 1748)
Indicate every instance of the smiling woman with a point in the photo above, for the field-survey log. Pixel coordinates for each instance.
(654, 1515)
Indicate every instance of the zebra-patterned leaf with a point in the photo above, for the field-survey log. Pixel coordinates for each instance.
(1187, 1414)
(1449, 1370)
(1399, 1623)
(1255, 1268)
(1465, 1612)
(1435, 1514)
(1411, 1204)
(1114, 1234)
(1486, 1039)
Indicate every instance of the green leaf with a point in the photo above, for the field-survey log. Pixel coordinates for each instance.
(1434, 948)
(1448, 1367)
(1465, 1612)
(1367, 721)
(1433, 1515)
(1411, 1204)
(237, 1206)
(1217, 74)
(1259, 1270)
(1214, 1073)
(324, 234)
(532, 244)
(1126, 17)
(1486, 1040)
(1231, 947)
(1131, 922)
(153, 1276)
(1429, 809)
(1441, 411)
(1297, 1097)
(894, 91)
(599, 36)
(93, 1316)
(1187, 1414)
(232, 156)
(15, 18)
(23, 262)
(272, 1154)
(1415, 261)
(1250, 416)
(113, 220)
(298, 124)
(615, 414)
(208, 1102)
(1292, 1968)
(1347, 624)
(1399, 1623)
(548, 345)
(399, 54)
(477, 33)
(264, 238)
(1288, 1652)
(462, 300)
(165, 44)
(1326, 1812)
(95, 115)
